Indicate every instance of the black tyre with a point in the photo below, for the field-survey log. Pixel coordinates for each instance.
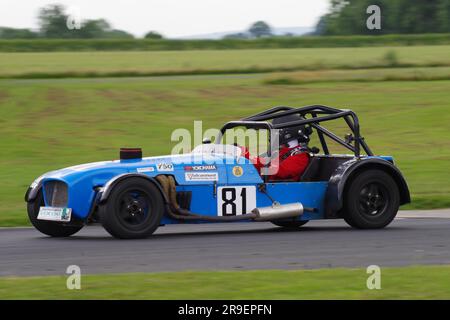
(50, 228)
(290, 224)
(133, 210)
(371, 200)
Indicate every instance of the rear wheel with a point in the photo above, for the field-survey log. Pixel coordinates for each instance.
(371, 201)
(133, 210)
(290, 224)
(50, 228)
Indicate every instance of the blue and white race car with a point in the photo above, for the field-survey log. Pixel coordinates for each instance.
(132, 196)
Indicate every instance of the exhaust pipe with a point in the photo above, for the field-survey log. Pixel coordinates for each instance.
(278, 211)
(274, 212)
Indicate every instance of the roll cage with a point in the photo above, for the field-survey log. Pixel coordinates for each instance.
(312, 116)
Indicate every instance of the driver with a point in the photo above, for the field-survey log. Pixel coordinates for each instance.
(293, 156)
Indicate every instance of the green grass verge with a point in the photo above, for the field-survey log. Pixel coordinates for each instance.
(249, 70)
(424, 282)
(432, 201)
(141, 63)
(41, 45)
(50, 124)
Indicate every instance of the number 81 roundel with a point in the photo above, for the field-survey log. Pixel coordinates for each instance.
(235, 200)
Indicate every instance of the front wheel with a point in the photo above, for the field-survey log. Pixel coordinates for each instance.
(371, 201)
(50, 228)
(133, 210)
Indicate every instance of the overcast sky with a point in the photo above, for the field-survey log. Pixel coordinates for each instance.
(174, 18)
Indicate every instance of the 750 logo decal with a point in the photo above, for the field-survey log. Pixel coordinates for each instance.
(164, 166)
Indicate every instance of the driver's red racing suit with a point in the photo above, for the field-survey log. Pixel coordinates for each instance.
(292, 162)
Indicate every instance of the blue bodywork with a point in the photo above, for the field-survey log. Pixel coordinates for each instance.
(86, 182)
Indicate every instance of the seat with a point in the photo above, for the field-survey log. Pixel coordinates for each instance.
(309, 174)
(320, 168)
(311, 171)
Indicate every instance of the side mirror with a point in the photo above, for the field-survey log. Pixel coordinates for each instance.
(349, 138)
(308, 130)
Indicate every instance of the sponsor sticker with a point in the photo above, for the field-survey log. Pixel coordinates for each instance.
(145, 169)
(201, 176)
(200, 168)
(164, 167)
(238, 171)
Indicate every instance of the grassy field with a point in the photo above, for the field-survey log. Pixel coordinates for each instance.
(49, 124)
(360, 75)
(424, 282)
(99, 63)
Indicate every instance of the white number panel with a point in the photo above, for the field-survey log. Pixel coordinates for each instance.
(235, 200)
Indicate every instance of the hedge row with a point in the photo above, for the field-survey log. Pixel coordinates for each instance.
(44, 45)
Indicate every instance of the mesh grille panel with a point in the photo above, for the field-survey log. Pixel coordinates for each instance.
(56, 193)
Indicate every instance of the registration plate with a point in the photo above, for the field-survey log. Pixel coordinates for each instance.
(55, 214)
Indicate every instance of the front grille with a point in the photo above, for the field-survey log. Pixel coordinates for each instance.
(56, 194)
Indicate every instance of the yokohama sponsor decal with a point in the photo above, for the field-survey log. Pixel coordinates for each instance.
(201, 176)
(200, 168)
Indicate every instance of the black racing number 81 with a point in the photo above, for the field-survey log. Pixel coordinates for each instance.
(229, 207)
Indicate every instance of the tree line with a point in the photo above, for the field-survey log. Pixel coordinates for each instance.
(54, 23)
(347, 17)
(259, 29)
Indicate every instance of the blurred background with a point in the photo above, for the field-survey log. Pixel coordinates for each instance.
(80, 79)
